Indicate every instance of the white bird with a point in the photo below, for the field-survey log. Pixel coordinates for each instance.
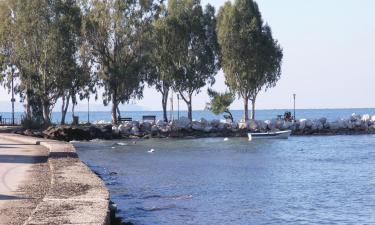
(226, 139)
(151, 150)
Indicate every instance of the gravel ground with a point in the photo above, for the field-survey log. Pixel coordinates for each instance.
(30, 193)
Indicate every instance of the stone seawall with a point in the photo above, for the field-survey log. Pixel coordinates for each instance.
(76, 195)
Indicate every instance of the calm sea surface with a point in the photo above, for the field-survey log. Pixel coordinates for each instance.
(303, 180)
(330, 114)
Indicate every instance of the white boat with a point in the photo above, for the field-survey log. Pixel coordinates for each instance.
(270, 135)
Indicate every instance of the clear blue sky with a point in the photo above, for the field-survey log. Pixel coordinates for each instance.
(329, 56)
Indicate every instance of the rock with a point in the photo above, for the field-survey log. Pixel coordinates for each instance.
(308, 123)
(135, 131)
(215, 123)
(197, 126)
(146, 126)
(323, 120)
(355, 117)
(287, 125)
(221, 127)
(115, 130)
(279, 124)
(233, 125)
(154, 128)
(183, 123)
(366, 118)
(262, 125)
(302, 124)
(242, 125)
(334, 125)
(203, 121)
(358, 123)
(207, 129)
(161, 123)
(343, 124)
(364, 126)
(135, 123)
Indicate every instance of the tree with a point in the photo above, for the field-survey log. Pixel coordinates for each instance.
(250, 57)
(161, 58)
(193, 37)
(116, 29)
(44, 50)
(220, 102)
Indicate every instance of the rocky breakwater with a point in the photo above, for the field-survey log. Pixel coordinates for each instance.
(356, 124)
(81, 132)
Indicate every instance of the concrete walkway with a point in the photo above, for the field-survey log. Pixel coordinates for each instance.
(16, 162)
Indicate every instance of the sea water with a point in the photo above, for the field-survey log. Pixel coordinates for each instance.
(303, 180)
(330, 114)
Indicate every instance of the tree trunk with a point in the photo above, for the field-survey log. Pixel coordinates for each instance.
(164, 102)
(253, 108)
(246, 105)
(28, 106)
(45, 108)
(114, 111)
(190, 110)
(64, 109)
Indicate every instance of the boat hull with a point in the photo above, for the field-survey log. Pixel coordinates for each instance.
(270, 135)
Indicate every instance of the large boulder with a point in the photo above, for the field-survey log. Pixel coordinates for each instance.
(146, 126)
(355, 117)
(203, 121)
(197, 126)
(302, 124)
(334, 125)
(287, 125)
(115, 130)
(366, 118)
(308, 124)
(135, 131)
(215, 123)
(343, 124)
(323, 120)
(183, 123)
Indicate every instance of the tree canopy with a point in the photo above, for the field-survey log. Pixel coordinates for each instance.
(251, 58)
(193, 37)
(116, 31)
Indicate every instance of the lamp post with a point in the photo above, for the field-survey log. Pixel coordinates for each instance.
(294, 107)
(12, 73)
(178, 107)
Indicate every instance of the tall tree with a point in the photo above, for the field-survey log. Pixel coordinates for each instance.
(193, 37)
(44, 50)
(251, 58)
(161, 58)
(115, 30)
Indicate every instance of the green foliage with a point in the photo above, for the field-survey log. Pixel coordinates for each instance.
(220, 102)
(192, 38)
(250, 57)
(32, 123)
(43, 40)
(116, 31)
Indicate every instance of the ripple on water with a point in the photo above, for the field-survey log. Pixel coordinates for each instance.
(303, 180)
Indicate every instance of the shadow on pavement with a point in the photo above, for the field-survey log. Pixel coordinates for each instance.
(22, 159)
(11, 197)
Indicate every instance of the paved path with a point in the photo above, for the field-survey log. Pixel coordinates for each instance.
(16, 161)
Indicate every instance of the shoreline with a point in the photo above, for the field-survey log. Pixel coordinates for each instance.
(76, 195)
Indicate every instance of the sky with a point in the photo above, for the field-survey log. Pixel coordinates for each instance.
(328, 59)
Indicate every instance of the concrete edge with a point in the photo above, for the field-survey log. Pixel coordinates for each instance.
(76, 194)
